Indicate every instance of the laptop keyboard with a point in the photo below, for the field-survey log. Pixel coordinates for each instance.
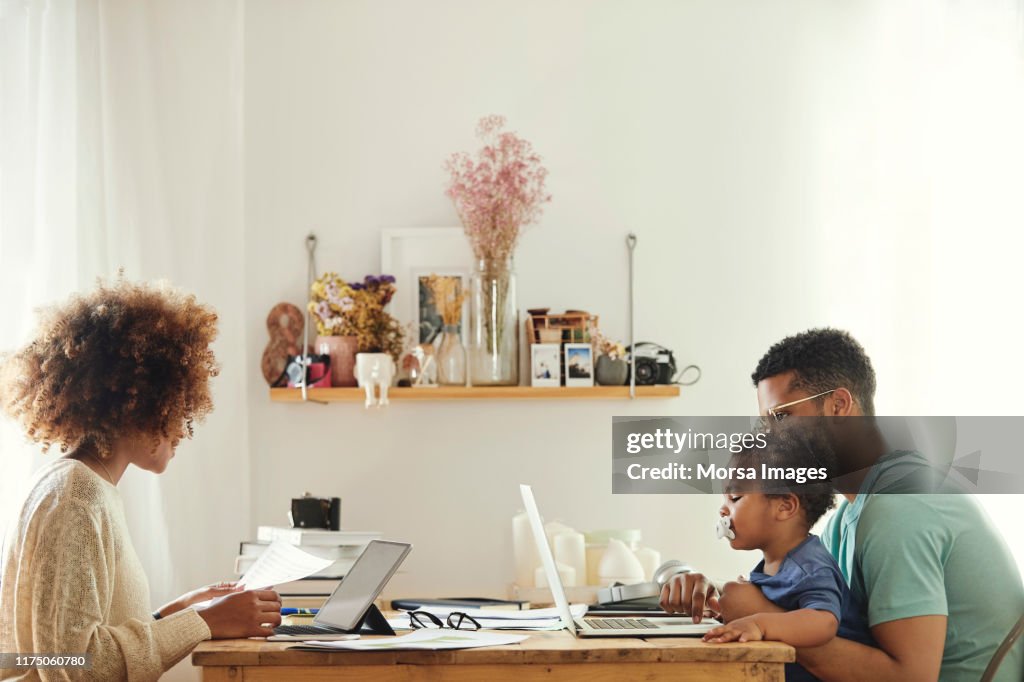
(620, 623)
(305, 630)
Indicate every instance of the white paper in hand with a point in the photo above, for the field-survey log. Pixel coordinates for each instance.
(281, 563)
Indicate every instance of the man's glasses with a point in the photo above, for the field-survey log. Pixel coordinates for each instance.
(456, 621)
(776, 413)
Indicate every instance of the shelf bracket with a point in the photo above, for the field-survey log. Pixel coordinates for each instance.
(631, 245)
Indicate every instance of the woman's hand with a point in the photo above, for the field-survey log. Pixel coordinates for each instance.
(741, 629)
(253, 613)
(199, 595)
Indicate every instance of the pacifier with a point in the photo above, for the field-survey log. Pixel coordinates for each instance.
(723, 530)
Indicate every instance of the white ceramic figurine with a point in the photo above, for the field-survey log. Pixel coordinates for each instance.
(375, 369)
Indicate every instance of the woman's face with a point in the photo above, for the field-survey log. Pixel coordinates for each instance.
(150, 459)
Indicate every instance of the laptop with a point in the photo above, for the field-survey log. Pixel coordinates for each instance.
(351, 603)
(594, 626)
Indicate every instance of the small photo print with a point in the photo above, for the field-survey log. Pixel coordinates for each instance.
(545, 366)
(429, 317)
(579, 364)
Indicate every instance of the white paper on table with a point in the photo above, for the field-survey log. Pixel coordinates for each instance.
(577, 611)
(402, 623)
(433, 639)
(281, 563)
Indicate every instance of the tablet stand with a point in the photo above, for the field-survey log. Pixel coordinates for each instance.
(373, 622)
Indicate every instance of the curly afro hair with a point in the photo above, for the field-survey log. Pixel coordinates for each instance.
(124, 360)
(822, 359)
(796, 443)
(814, 504)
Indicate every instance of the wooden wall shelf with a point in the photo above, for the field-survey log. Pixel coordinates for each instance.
(294, 395)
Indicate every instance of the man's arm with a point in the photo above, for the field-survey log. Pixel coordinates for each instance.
(911, 649)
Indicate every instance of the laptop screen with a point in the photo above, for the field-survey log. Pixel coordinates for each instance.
(547, 559)
(364, 581)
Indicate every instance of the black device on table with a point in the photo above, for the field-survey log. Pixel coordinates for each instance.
(350, 609)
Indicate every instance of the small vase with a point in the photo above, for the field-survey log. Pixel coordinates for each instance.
(451, 358)
(342, 350)
(611, 372)
(494, 325)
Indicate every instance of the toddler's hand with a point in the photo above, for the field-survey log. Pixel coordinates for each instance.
(741, 629)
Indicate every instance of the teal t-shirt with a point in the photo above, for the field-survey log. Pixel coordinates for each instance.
(907, 555)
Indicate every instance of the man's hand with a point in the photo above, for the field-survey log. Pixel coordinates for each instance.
(253, 613)
(690, 593)
(200, 595)
(741, 629)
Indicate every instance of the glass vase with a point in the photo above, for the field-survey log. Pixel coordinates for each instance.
(494, 325)
(451, 358)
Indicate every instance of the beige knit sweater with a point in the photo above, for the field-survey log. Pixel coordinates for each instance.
(72, 583)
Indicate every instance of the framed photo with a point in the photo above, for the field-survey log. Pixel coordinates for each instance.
(579, 364)
(545, 364)
(426, 316)
(410, 254)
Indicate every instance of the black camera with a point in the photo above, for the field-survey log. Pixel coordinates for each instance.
(316, 368)
(653, 364)
(316, 512)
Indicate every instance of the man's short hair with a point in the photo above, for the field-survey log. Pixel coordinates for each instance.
(821, 360)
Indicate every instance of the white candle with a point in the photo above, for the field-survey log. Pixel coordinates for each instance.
(571, 550)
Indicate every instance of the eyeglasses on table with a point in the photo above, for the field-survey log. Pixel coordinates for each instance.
(457, 620)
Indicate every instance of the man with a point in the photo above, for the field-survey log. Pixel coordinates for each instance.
(934, 579)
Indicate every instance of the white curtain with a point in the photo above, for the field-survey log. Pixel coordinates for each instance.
(38, 238)
(121, 146)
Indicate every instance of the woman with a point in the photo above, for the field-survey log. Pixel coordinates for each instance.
(114, 378)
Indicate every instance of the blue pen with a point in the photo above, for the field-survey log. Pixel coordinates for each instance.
(293, 612)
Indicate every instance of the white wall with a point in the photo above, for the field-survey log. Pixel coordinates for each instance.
(776, 160)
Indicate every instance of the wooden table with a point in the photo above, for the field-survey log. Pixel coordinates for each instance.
(545, 655)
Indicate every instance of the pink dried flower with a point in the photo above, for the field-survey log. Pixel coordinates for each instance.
(499, 193)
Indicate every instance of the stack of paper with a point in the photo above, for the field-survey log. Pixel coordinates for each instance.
(342, 547)
(421, 639)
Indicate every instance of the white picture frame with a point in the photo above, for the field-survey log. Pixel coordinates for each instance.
(545, 365)
(579, 364)
(407, 253)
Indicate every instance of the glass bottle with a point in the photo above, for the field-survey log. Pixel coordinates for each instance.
(451, 358)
